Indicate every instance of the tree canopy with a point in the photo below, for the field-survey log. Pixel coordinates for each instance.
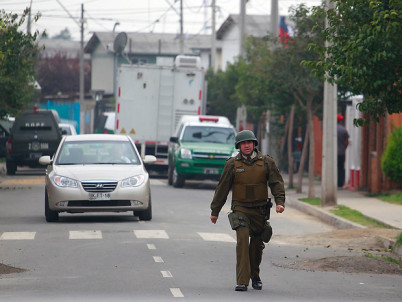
(364, 52)
(17, 61)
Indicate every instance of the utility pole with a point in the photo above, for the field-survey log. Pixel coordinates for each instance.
(181, 28)
(242, 27)
(29, 19)
(274, 18)
(213, 39)
(329, 171)
(83, 121)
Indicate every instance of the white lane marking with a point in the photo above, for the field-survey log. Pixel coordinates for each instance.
(222, 237)
(151, 246)
(85, 235)
(176, 292)
(166, 274)
(18, 236)
(159, 234)
(158, 259)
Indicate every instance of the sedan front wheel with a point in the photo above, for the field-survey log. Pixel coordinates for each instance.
(51, 216)
(145, 215)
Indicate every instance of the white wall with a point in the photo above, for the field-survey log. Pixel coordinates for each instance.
(102, 70)
(230, 46)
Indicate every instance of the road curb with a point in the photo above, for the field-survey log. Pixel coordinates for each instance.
(337, 221)
(322, 214)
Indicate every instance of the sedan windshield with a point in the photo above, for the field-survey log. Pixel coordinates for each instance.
(97, 152)
(204, 134)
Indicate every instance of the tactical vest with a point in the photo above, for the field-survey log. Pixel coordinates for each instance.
(250, 182)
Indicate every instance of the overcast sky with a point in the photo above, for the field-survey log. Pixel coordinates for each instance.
(137, 15)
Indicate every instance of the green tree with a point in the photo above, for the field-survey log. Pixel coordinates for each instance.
(17, 61)
(221, 92)
(391, 160)
(60, 74)
(364, 52)
(275, 79)
(63, 35)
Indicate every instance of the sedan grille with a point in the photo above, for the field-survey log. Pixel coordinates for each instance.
(99, 186)
(99, 203)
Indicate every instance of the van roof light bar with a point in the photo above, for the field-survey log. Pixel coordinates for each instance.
(209, 119)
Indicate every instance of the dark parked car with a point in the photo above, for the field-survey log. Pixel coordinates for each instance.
(5, 126)
(34, 134)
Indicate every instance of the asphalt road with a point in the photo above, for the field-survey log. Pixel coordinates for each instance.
(177, 255)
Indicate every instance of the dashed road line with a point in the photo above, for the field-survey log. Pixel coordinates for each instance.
(151, 246)
(158, 259)
(166, 274)
(140, 234)
(176, 292)
(221, 237)
(157, 234)
(85, 235)
(18, 236)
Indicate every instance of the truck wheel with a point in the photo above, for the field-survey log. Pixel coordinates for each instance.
(145, 215)
(51, 216)
(178, 179)
(170, 175)
(11, 167)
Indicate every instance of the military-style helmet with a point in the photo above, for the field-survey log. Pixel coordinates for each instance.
(245, 135)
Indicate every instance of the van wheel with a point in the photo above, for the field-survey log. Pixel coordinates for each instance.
(170, 175)
(147, 214)
(11, 167)
(178, 179)
(51, 216)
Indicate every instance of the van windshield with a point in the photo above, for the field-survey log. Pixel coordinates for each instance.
(204, 134)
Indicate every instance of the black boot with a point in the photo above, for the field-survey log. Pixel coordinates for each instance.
(241, 288)
(256, 283)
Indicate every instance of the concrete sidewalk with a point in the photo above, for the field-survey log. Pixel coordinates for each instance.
(371, 207)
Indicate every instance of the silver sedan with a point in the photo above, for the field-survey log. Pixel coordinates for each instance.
(97, 173)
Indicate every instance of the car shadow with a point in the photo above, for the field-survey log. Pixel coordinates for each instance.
(200, 184)
(91, 218)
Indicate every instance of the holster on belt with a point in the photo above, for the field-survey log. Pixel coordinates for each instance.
(267, 231)
(268, 207)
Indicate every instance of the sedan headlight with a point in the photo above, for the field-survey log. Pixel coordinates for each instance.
(185, 153)
(134, 181)
(64, 182)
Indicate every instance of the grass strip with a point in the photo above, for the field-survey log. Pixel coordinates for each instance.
(356, 216)
(389, 259)
(394, 198)
(398, 241)
(313, 202)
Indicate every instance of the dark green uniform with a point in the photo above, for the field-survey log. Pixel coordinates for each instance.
(249, 180)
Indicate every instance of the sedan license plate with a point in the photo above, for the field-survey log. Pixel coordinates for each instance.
(99, 196)
(211, 171)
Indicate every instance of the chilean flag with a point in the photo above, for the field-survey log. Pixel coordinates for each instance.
(284, 36)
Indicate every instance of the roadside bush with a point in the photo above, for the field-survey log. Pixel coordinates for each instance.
(391, 161)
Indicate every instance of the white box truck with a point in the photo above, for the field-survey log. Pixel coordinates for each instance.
(151, 99)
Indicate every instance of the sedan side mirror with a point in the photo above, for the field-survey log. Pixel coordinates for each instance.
(45, 160)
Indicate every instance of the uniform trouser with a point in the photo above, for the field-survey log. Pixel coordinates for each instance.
(249, 252)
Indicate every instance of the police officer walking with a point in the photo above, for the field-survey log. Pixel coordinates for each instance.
(248, 175)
